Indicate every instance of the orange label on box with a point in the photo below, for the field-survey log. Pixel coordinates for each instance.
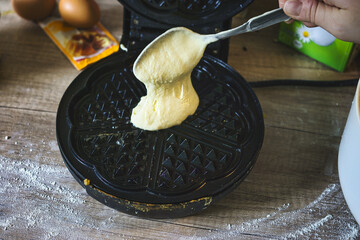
(81, 46)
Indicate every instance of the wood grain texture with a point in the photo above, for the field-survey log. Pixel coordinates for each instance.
(293, 192)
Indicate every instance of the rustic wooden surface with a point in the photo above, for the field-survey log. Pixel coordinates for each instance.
(293, 192)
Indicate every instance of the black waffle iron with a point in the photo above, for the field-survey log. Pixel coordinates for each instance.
(173, 172)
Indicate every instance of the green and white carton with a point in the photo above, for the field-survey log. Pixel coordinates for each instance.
(317, 44)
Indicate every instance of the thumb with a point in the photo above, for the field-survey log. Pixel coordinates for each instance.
(293, 8)
(314, 12)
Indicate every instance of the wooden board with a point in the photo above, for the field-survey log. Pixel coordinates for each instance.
(293, 192)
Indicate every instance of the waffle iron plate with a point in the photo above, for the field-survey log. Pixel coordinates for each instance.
(158, 174)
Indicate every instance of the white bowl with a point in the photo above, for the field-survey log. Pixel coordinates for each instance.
(349, 158)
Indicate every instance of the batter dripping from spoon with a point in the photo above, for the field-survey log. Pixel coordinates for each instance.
(165, 67)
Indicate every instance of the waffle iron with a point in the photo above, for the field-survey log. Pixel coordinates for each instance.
(173, 172)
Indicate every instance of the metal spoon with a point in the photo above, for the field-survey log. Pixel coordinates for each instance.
(256, 23)
(154, 50)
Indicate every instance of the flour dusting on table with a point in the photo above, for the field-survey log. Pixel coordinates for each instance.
(314, 217)
(41, 196)
(52, 203)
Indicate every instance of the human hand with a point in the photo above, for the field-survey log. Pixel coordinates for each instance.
(339, 17)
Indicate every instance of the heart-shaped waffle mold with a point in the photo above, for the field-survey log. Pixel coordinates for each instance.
(167, 173)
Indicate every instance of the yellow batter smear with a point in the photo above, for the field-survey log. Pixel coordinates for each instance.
(165, 68)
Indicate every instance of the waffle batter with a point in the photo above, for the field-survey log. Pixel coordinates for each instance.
(165, 68)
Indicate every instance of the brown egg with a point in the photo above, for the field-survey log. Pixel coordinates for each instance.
(79, 13)
(33, 9)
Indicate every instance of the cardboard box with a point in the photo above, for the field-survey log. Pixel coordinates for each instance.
(318, 44)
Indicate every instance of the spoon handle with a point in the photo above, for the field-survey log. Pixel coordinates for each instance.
(256, 23)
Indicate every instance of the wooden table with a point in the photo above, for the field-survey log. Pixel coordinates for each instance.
(293, 192)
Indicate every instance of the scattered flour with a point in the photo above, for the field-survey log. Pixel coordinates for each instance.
(53, 146)
(36, 184)
(49, 198)
(40, 195)
(314, 217)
